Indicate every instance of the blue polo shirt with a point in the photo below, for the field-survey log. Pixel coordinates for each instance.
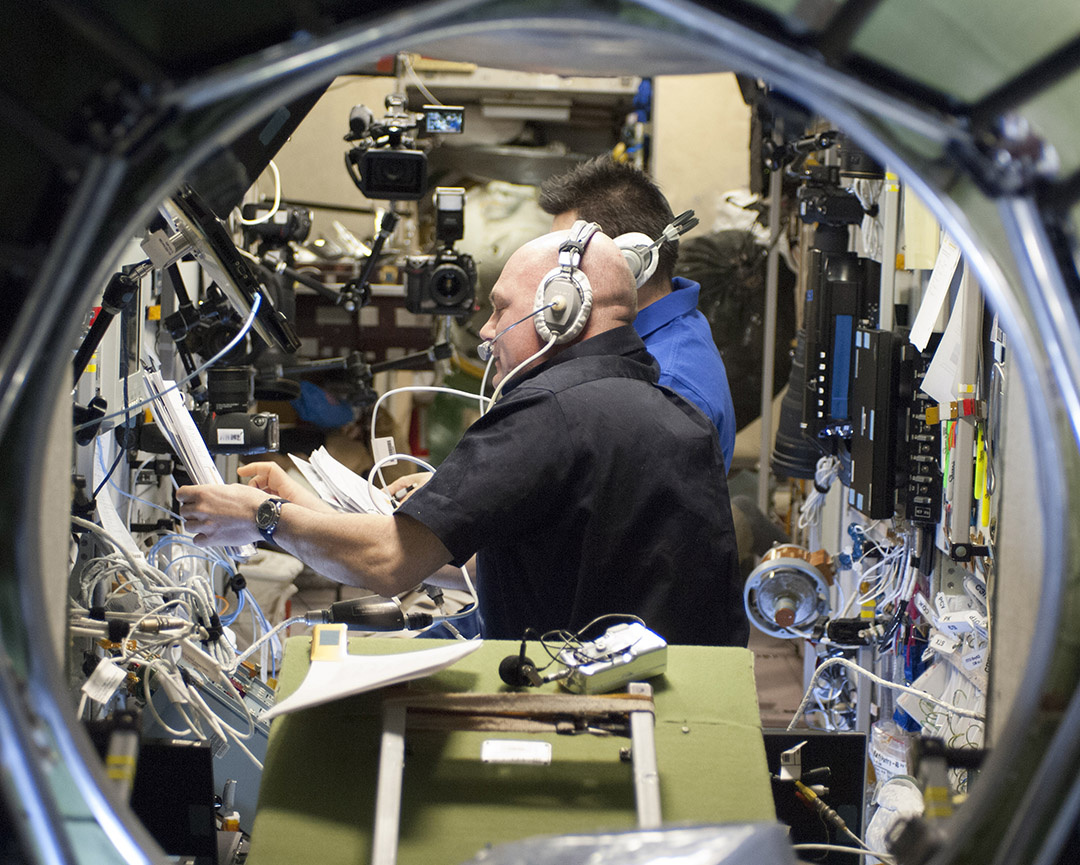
(680, 339)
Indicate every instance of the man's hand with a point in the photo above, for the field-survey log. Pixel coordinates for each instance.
(404, 486)
(221, 514)
(273, 480)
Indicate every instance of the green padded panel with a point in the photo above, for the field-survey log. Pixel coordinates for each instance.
(317, 799)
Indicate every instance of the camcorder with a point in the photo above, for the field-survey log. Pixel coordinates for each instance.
(829, 204)
(824, 198)
(275, 229)
(385, 162)
(443, 283)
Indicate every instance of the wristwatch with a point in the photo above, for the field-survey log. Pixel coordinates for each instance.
(267, 518)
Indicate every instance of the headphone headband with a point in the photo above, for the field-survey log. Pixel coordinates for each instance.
(573, 248)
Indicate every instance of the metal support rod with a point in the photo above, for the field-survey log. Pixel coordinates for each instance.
(416, 360)
(643, 754)
(1048, 71)
(865, 659)
(962, 463)
(768, 349)
(889, 209)
(388, 796)
(834, 41)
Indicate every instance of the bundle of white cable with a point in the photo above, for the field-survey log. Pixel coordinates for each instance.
(184, 592)
(873, 231)
(828, 468)
(885, 683)
(890, 579)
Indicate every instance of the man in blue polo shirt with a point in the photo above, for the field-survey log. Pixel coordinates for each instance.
(622, 199)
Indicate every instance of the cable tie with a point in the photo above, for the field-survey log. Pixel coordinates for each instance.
(215, 631)
(117, 630)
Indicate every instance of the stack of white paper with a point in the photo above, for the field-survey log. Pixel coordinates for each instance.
(354, 674)
(340, 486)
(321, 487)
(174, 420)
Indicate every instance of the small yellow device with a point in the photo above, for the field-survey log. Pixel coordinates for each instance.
(329, 643)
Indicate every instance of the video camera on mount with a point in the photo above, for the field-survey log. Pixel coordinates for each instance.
(385, 162)
(443, 283)
(823, 200)
(824, 196)
(288, 224)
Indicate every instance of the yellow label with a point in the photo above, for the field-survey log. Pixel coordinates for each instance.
(937, 802)
(329, 643)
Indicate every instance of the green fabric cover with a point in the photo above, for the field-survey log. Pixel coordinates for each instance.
(317, 799)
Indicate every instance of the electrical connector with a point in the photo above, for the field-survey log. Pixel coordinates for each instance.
(817, 804)
(374, 613)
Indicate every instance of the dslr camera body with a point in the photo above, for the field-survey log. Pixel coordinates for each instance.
(227, 423)
(443, 283)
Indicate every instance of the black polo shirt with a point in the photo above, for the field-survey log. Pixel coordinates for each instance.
(588, 489)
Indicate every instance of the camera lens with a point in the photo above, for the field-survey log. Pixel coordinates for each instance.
(450, 285)
(393, 174)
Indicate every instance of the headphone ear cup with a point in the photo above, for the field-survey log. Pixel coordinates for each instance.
(518, 671)
(640, 254)
(571, 294)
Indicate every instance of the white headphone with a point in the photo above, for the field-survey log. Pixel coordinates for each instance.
(642, 253)
(564, 297)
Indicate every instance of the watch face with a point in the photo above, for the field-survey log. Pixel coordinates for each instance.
(267, 515)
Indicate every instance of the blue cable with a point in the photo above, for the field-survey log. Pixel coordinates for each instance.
(275, 643)
(232, 617)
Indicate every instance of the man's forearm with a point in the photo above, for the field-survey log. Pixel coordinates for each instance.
(385, 554)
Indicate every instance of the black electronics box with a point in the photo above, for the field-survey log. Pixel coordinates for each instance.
(844, 755)
(874, 423)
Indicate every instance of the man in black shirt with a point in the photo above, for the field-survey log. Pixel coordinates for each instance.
(585, 489)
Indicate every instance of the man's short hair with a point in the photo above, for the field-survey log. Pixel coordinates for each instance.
(618, 196)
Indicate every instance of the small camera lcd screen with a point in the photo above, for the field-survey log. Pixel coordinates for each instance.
(444, 119)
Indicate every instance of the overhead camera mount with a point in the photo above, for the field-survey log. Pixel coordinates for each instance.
(360, 372)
